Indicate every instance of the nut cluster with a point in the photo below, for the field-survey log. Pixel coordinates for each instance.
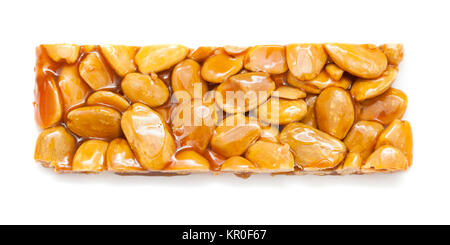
(163, 109)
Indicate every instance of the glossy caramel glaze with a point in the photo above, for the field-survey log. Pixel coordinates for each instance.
(170, 110)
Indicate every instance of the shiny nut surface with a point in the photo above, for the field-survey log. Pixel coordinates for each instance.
(319, 83)
(305, 61)
(156, 58)
(399, 135)
(365, 61)
(363, 137)
(94, 121)
(363, 89)
(384, 108)
(351, 164)
(55, 146)
(218, 68)
(148, 136)
(147, 89)
(73, 89)
(90, 156)
(334, 71)
(266, 58)
(201, 53)
(188, 160)
(287, 92)
(95, 72)
(244, 92)
(186, 78)
(310, 117)
(120, 158)
(313, 149)
(270, 133)
(335, 112)
(282, 111)
(120, 58)
(386, 158)
(63, 52)
(239, 164)
(269, 155)
(234, 135)
(393, 52)
(109, 99)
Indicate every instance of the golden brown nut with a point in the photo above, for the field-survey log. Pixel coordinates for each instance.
(108, 98)
(363, 89)
(147, 89)
(193, 124)
(334, 71)
(67, 52)
(282, 111)
(120, 158)
(235, 50)
(186, 78)
(95, 72)
(351, 164)
(244, 92)
(234, 135)
(218, 68)
(148, 136)
(237, 164)
(287, 92)
(90, 156)
(365, 61)
(363, 137)
(188, 160)
(266, 58)
(310, 117)
(393, 52)
(200, 54)
(319, 83)
(48, 106)
(399, 135)
(270, 133)
(305, 61)
(384, 108)
(270, 156)
(156, 58)
(312, 148)
(73, 89)
(279, 79)
(55, 147)
(94, 121)
(386, 158)
(120, 57)
(335, 112)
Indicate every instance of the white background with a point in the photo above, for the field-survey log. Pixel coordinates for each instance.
(31, 194)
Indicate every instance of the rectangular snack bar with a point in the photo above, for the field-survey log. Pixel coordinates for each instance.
(169, 110)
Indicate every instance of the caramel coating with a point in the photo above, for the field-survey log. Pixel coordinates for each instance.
(120, 158)
(305, 61)
(95, 72)
(90, 156)
(156, 58)
(363, 137)
(319, 83)
(269, 155)
(94, 122)
(200, 54)
(393, 52)
(109, 99)
(365, 61)
(188, 160)
(266, 58)
(120, 58)
(312, 148)
(334, 71)
(244, 92)
(186, 77)
(282, 111)
(239, 164)
(351, 164)
(147, 89)
(399, 135)
(55, 147)
(310, 117)
(73, 89)
(218, 68)
(148, 136)
(234, 135)
(363, 89)
(386, 158)
(287, 92)
(384, 108)
(335, 112)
